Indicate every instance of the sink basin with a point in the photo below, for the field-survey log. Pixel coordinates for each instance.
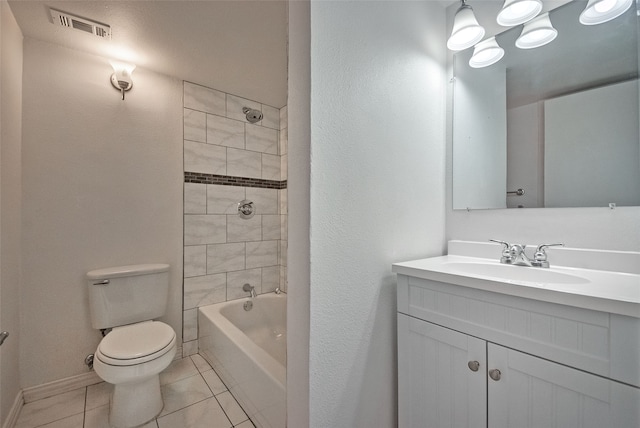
(510, 273)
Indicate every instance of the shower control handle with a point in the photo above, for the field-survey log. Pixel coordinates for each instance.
(3, 337)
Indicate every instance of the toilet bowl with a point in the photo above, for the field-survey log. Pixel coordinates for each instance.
(131, 358)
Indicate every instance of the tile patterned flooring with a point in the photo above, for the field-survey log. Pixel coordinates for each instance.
(194, 397)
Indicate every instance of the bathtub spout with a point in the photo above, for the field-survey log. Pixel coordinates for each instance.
(250, 289)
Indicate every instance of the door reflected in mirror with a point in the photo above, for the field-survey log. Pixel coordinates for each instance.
(561, 122)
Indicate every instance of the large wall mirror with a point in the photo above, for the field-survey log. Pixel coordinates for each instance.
(561, 122)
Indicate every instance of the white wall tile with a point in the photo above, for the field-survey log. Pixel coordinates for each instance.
(236, 280)
(242, 163)
(265, 200)
(204, 229)
(271, 167)
(207, 158)
(225, 132)
(195, 125)
(195, 260)
(205, 290)
(195, 198)
(190, 325)
(283, 252)
(284, 230)
(240, 230)
(284, 117)
(284, 141)
(224, 199)
(271, 117)
(225, 257)
(262, 254)
(271, 226)
(198, 97)
(270, 278)
(261, 139)
(284, 167)
(235, 105)
(283, 201)
(189, 348)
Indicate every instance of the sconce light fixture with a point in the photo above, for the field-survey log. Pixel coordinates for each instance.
(121, 77)
(537, 32)
(516, 12)
(466, 30)
(599, 11)
(485, 53)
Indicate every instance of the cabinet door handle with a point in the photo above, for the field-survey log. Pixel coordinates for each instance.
(473, 366)
(495, 374)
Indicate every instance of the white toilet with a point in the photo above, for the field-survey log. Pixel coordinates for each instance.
(137, 349)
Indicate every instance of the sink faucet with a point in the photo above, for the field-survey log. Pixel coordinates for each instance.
(250, 289)
(515, 254)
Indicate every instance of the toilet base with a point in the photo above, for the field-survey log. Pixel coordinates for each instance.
(135, 403)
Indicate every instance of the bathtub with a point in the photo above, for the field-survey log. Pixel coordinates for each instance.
(248, 351)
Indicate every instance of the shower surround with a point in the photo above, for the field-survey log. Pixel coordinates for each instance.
(227, 160)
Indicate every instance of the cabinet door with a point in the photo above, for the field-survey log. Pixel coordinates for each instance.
(532, 392)
(436, 387)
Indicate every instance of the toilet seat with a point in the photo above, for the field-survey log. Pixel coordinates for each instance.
(136, 343)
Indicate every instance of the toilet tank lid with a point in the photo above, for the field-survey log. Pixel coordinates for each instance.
(131, 270)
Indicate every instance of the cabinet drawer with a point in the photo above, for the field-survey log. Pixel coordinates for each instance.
(597, 342)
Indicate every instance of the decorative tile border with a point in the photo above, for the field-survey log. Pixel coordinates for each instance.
(226, 180)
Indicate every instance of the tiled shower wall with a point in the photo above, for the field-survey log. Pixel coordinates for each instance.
(226, 160)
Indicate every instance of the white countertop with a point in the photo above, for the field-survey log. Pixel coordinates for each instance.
(601, 290)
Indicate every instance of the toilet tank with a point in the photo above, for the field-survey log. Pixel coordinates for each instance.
(127, 294)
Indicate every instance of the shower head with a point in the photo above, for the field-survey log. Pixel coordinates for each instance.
(253, 115)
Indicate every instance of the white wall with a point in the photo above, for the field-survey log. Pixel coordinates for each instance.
(377, 193)
(299, 162)
(102, 186)
(10, 204)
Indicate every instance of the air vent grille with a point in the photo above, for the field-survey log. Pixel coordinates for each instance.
(65, 19)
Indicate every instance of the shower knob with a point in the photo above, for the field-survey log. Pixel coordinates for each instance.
(246, 210)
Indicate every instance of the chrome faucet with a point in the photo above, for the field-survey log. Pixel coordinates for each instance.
(250, 289)
(515, 254)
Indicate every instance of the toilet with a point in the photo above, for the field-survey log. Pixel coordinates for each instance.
(127, 299)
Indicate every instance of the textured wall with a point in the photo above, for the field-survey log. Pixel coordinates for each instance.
(10, 203)
(377, 193)
(102, 186)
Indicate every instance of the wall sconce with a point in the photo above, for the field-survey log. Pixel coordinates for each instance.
(600, 11)
(466, 30)
(516, 12)
(485, 53)
(537, 32)
(121, 77)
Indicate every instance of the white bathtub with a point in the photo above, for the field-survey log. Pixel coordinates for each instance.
(248, 351)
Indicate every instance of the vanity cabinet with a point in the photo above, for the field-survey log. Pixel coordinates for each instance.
(473, 358)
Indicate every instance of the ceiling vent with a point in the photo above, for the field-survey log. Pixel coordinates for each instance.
(65, 19)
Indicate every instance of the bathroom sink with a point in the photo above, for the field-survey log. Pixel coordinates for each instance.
(510, 273)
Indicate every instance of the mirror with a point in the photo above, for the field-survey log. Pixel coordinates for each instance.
(561, 122)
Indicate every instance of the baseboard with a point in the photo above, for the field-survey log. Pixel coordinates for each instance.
(60, 386)
(12, 418)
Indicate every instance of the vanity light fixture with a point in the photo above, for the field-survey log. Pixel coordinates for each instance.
(466, 30)
(516, 12)
(537, 32)
(599, 11)
(485, 53)
(121, 77)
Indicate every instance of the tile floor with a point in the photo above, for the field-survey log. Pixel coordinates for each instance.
(194, 397)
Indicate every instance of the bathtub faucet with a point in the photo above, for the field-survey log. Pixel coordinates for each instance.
(250, 289)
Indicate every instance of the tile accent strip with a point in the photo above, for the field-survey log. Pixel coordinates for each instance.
(227, 180)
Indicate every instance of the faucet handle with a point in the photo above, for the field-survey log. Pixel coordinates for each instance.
(540, 254)
(540, 257)
(506, 251)
(506, 248)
